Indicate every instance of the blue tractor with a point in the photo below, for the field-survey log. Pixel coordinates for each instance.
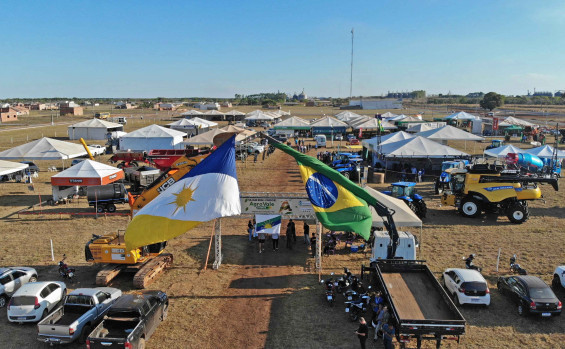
(406, 191)
(350, 169)
(446, 167)
(495, 143)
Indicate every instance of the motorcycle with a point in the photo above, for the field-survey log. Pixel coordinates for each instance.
(330, 286)
(515, 268)
(356, 308)
(343, 282)
(469, 263)
(65, 271)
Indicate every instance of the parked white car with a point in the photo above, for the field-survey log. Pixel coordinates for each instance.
(34, 300)
(466, 286)
(11, 279)
(97, 149)
(558, 277)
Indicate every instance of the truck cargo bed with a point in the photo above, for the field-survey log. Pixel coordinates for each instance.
(416, 298)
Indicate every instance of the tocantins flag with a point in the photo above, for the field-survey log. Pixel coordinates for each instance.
(340, 204)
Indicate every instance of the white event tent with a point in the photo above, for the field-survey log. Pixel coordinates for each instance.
(9, 167)
(390, 138)
(44, 149)
(461, 116)
(509, 121)
(501, 152)
(93, 129)
(152, 137)
(419, 147)
(546, 151)
(373, 124)
(192, 112)
(449, 133)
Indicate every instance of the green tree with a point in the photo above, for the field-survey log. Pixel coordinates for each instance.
(491, 101)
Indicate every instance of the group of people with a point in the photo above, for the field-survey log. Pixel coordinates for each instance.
(325, 156)
(380, 321)
(412, 173)
(290, 235)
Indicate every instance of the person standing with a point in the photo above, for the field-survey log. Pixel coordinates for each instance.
(382, 319)
(250, 230)
(313, 244)
(362, 332)
(306, 233)
(388, 336)
(289, 235)
(261, 239)
(293, 230)
(275, 237)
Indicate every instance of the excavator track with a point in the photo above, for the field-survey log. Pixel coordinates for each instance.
(152, 269)
(108, 273)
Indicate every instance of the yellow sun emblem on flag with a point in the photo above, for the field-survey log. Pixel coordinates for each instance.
(183, 197)
(268, 226)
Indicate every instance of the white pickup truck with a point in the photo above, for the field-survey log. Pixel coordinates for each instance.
(559, 277)
(97, 149)
(82, 310)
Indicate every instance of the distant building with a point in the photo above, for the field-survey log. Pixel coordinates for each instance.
(376, 103)
(475, 95)
(66, 110)
(8, 114)
(124, 105)
(208, 106)
(20, 110)
(165, 106)
(226, 104)
(543, 93)
(302, 96)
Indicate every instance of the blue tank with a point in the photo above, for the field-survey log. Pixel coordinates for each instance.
(530, 161)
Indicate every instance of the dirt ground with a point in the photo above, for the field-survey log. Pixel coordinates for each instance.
(273, 299)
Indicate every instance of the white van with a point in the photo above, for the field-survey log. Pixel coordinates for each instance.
(320, 140)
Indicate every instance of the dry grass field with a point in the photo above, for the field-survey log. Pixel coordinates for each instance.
(273, 300)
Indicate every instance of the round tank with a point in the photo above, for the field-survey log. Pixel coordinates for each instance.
(529, 160)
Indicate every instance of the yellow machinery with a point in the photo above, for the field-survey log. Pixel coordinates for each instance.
(102, 115)
(476, 190)
(86, 148)
(148, 261)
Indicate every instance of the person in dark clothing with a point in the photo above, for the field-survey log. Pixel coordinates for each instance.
(313, 244)
(306, 233)
(289, 233)
(362, 332)
(275, 237)
(250, 230)
(388, 336)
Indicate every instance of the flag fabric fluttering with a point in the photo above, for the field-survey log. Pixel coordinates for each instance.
(268, 224)
(340, 204)
(210, 190)
(381, 128)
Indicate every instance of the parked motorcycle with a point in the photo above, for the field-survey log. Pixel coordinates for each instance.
(343, 282)
(330, 286)
(515, 268)
(469, 263)
(65, 271)
(356, 308)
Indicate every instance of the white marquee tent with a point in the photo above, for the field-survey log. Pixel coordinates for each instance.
(373, 124)
(152, 137)
(390, 138)
(44, 149)
(206, 138)
(546, 151)
(93, 129)
(509, 121)
(419, 128)
(192, 112)
(9, 167)
(388, 115)
(419, 147)
(461, 116)
(501, 152)
(449, 133)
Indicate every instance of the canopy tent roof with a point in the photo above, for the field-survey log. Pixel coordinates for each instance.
(281, 112)
(293, 122)
(358, 120)
(154, 131)
(245, 134)
(390, 138)
(373, 124)
(192, 112)
(419, 128)
(234, 113)
(461, 116)
(232, 128)
(501, 152)
(214, 112)
(403, 215)
(419, 147)
(347, 116)
(259, 115)
(8, 167)
(387, 115)
(328, 121)
(206, 138)
(409, 119)
(97, 123)
(87, 172)
(509, 121)
(44, 149)
(397, 117)
(546, 151)
(449, 133)
(196, 122)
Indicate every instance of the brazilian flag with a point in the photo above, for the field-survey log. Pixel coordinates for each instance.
(340, 204)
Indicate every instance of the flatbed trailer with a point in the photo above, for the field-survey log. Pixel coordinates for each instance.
(419, 307)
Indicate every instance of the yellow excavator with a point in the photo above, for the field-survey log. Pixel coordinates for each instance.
(148, 261)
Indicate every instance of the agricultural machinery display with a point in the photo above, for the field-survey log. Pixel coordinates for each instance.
(406, 191)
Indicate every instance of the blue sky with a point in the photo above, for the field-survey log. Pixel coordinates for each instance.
(219, 48)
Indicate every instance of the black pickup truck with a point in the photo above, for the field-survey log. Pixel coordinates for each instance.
(131, 321)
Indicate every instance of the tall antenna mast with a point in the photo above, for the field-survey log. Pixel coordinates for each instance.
(351, 76)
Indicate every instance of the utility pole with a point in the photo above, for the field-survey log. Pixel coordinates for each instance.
(351, 75)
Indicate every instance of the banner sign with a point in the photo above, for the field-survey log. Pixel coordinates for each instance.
(495, 124)
(275, 206)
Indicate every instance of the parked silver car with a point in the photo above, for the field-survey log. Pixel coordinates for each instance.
(11, 279)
